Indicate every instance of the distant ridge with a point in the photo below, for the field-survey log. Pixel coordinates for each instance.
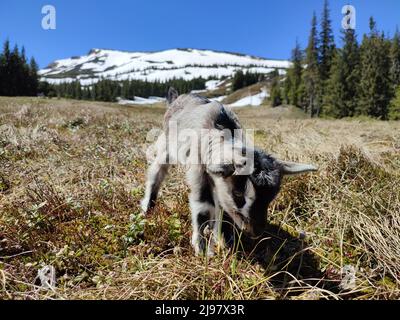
(163, 65)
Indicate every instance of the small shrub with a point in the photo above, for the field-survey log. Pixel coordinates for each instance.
(136, 229)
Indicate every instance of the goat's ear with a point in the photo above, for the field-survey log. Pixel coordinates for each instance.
(292, 168)
(172, 95)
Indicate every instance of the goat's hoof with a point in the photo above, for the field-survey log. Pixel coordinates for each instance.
(204, 253)
(210, 253)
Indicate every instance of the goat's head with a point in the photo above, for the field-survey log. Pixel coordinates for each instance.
(245, 194)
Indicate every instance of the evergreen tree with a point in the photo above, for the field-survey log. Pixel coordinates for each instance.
(326, 51)
(93, 93)
(16, 75)
(394, 108)
(327, 44)
(2, 72)
(238, 80)
(5, 69)
(311, 75)
(125, 90)
(33, 78)
(340, 99)
(24, 76)
(334, 98)
(86, 93)
(77, 90)
(15, 70)
(294, 77)
(276, 94)
(23, 55)
(395, 56)
(46, 89)
(375, 83)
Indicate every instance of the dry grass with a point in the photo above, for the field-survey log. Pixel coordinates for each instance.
(71, 178)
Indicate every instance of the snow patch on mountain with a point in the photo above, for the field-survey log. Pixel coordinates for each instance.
(156, 66)
(219, 99)
(141, 101)
(253, 100)
(213, 84)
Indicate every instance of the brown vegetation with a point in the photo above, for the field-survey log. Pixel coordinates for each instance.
(71, 179)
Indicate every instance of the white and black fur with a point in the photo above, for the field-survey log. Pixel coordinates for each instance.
(216, 187)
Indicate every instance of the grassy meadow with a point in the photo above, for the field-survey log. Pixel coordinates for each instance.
(72, 175)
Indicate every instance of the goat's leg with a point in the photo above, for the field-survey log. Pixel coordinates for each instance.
(155, 176)
(203, 210)
(201, 220)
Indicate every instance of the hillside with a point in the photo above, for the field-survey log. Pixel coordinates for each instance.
(153, 66)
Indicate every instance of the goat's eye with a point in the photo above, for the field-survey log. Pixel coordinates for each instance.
(238, 194)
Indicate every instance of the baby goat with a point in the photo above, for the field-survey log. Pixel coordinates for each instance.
(224, 171)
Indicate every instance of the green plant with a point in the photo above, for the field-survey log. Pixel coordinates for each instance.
(174, 228)
(136, 228)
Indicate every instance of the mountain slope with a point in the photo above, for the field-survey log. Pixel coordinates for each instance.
(152, 66)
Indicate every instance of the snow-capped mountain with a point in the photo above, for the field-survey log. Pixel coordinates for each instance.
(152, 66)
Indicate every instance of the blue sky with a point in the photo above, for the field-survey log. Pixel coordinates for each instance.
(266, 28)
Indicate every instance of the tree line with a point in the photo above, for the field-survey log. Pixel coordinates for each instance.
(244, 79)
(354, 80)
(18, 75)
(110, 90)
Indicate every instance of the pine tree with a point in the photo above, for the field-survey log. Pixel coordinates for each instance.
(77, 90)
(375, 83)
(311, 75)
(394, 108)
(276, 94)
(238, 80)
(326, 52)
(85, 93)
(395, 56)
(46, 89)
(294, 77)
(23, 55)
(24, 75)
(33, 78)
(2, 72)
(340, 99)
(6, 68)
(15, 70)
(125, 90)
(334, 98)
(16, 76)
(327, 44)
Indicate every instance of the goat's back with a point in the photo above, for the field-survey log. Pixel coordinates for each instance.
(195, 112)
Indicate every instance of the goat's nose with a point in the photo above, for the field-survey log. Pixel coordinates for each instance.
(257, 232)
(240, 168)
